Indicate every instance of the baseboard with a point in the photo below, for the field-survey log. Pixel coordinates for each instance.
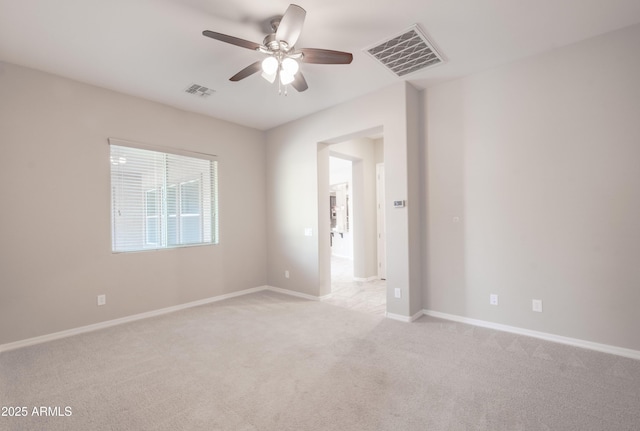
(120, 321)
(605, 348)
(296, 294)
(401, 318)
(109, 323)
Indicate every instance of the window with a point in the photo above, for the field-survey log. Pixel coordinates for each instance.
(161, 199)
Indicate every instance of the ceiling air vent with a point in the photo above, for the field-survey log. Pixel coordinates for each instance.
(199, 90)
(406, 53)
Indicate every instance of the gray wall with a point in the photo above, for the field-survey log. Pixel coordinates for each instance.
(55, 249)
(540, 160)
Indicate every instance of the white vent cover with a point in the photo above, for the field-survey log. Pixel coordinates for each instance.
(199, 90)
(406, 53)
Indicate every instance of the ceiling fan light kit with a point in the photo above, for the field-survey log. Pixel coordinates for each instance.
(270, 65)
(283, 60)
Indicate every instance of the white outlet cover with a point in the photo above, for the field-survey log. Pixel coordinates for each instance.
(102, 299)
(536, 305)
(493, 299)
(308, 231)
(397, 292)
(286, 274)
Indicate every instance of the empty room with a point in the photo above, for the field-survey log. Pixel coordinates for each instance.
(179, 251)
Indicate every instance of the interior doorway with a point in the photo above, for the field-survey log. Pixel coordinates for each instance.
(381, 222)
(341, 220)
(354, 224)
(340, 207)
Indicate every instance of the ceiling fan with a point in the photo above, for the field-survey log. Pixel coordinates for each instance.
(283, 58)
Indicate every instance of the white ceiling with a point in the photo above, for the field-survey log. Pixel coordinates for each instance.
(155, 49)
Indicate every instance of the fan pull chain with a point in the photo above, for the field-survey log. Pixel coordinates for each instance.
(282, 90)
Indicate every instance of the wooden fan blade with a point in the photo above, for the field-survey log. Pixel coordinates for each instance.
(325, 56)
(291, 25)
(232, 40)
(247, 71)
(299, 83)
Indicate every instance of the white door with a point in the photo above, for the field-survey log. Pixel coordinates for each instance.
(382, 247)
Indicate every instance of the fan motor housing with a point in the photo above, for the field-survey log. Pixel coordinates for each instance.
(274, 44)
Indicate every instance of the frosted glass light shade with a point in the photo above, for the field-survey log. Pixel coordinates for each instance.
(285, 78)
(270, 65)
(290, 66)
(271, 77)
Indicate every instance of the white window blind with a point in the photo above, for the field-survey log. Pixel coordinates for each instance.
(161, 199)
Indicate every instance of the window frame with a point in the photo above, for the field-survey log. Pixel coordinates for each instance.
(161, 214)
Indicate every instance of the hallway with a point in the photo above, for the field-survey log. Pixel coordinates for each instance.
(369, 297)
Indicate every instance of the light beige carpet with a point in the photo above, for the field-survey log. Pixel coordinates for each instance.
(272, 362)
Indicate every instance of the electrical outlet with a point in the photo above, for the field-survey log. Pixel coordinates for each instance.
(493, 299)
(308, 231)
(286, 273)
(102, 299)
(536, 305)
(397, 293)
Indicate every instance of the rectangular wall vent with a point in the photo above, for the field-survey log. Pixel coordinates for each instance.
(406, 53)
(199, 90)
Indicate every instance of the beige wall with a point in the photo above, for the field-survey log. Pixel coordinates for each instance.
(55, 249)
(379, 146)
(297, 169)
(540, 160)
(527, 187)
